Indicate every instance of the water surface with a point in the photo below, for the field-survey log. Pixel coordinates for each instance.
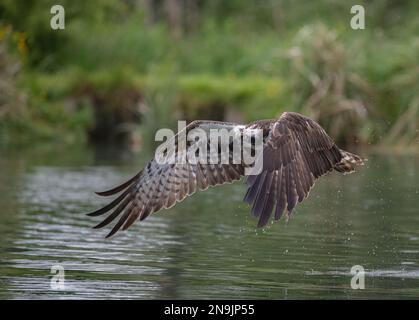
(207, 246)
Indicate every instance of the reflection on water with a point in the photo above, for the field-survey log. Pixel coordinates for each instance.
(207, 246)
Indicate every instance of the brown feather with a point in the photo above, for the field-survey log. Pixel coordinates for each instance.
(296, 152)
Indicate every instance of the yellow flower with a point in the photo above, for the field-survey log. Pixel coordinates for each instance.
(21, 43)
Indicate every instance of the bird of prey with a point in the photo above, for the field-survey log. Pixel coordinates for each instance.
(296, 151)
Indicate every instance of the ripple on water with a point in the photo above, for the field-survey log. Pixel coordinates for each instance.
(208, 246)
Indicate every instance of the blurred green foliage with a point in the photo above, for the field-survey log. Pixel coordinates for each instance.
(123, 64)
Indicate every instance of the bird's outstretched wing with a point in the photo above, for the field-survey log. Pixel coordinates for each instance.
(162, 185)
(296, 152)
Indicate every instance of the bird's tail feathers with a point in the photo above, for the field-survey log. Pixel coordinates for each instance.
(349, 162)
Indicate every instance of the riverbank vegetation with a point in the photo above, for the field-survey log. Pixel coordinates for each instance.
(122, 69)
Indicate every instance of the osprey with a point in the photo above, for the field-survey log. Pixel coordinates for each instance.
(296, 151)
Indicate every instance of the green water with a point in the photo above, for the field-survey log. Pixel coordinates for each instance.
(207, 246)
